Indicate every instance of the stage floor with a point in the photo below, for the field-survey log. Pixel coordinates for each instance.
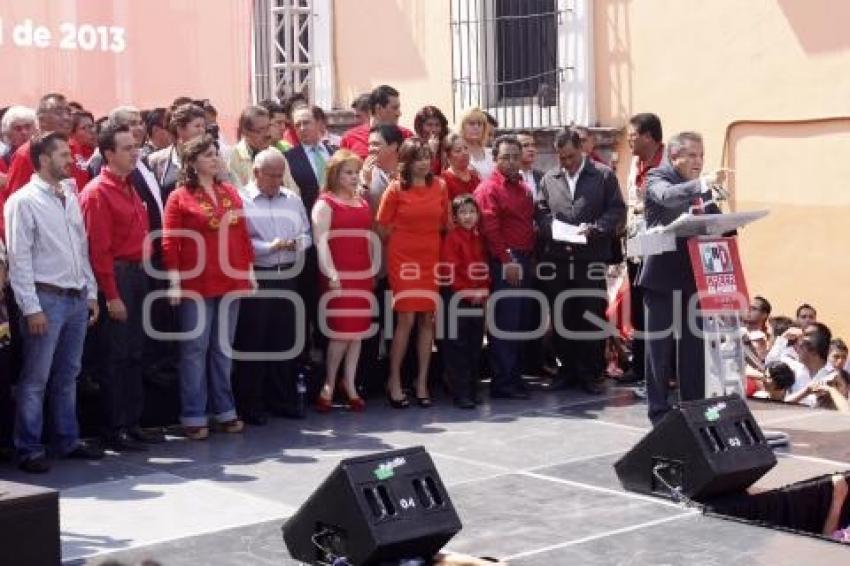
(532, 480)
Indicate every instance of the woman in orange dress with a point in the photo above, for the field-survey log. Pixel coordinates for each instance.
(412, 215)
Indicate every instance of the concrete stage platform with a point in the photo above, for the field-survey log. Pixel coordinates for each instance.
(532, 480)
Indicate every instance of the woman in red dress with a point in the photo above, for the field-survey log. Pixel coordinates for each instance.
(342, 228)
(208, 255)
(412, 216)
(460, 178)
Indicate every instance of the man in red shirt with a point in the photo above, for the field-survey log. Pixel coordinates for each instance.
(386, 109)
(645, 140)
(117, 224)
(507, 224)
(53, 115)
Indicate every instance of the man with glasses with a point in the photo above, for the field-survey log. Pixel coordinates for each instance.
(254, 137)
(53, 115)
(588, 144)
(530, 175)
(507, 224)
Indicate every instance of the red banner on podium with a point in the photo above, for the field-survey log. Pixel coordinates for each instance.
(718, 273)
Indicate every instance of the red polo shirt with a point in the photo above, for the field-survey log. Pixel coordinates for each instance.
(643, 167)
(507, 216)
(463, 250)
(457, 186)
(185, 210)
(357, 139)
(116, 222)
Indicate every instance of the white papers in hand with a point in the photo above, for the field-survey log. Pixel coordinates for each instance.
(563, 232)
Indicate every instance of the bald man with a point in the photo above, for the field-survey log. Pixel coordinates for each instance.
(280, 234)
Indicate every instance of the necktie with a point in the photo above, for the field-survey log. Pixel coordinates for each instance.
(319, 162)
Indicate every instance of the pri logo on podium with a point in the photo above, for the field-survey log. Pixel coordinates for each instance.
(718, 273)
(718, 267)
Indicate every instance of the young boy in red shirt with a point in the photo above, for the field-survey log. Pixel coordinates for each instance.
(465, 264)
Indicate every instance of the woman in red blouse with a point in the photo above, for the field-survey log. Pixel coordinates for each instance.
(208, 255)
(460, 178)
(82, 141)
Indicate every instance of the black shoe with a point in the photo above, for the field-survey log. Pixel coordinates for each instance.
(85, 452)
(424, 402)
(464, 403)
(558, 383)
(148, 436)
(37, 465)
(509, 394)
(255, 419)
(403, 403)
(7, 454)
(123, 442)
(595, 386)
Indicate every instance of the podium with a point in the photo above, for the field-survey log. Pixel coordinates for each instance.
(721, 288)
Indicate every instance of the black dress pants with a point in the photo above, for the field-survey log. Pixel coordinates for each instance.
(121, 369)
(579, 288)
(266, 327)
(667, 316)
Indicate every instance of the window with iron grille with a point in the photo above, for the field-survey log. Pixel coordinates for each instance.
(292, 49)
(526, 45)
(524, 61)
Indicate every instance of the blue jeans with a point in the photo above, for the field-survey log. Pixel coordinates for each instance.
(204, 365)
(51, 363)
(511, 314)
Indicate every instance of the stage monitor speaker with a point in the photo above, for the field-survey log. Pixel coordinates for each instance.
(375, 508)
(29, 525)
(703, 449)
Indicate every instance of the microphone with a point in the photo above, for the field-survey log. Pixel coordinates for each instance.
(720, 192)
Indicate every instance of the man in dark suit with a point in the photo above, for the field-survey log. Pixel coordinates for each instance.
(674, 350)
(307, 162)
(537, 354)
(308, 159)
(586, 194)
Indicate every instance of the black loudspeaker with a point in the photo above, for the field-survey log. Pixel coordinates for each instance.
(375, 508)
(704, 448)
(29, 525)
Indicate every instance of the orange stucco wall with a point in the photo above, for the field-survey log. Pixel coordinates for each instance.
(703, 65)
(403, 43)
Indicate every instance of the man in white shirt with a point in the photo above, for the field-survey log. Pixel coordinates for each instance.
(56, 291)
(530, 175)
(269, 322)
(813, 350)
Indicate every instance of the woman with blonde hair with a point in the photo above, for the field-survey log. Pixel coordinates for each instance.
(342, 223)
(474, 128)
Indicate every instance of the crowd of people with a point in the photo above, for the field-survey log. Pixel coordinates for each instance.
(145, 238)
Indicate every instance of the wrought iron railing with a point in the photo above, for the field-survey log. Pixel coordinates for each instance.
(508, 58)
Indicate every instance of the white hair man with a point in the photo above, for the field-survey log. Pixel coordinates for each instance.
(280, 233)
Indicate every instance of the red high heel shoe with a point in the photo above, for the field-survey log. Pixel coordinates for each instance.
(323, 404)
(356, 404)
